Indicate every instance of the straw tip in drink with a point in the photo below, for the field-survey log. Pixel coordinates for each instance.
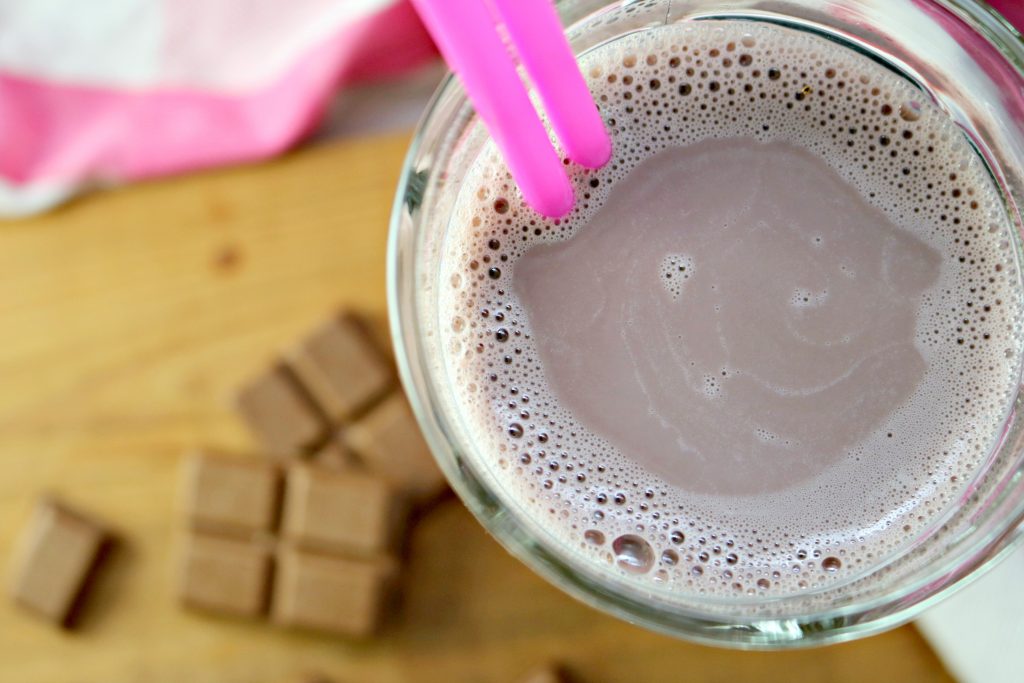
(552, 201)
(596, 153)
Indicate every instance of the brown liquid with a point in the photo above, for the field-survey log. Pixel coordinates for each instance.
(735, 317)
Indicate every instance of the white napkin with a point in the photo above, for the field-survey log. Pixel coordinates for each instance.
(979, 631)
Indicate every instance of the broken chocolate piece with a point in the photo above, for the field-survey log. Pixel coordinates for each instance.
(340, 368)
(280, 414)
(388, 441)
(61, 552)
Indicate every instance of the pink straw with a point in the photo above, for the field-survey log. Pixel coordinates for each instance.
(537, 35)
(468, 38)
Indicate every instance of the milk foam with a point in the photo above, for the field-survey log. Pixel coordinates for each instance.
(682, 85)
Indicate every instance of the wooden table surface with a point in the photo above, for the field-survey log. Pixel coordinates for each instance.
(126, 320)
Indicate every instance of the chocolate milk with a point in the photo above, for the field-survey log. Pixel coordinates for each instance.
(774, 339)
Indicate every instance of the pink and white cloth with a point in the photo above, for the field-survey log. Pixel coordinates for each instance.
(105, 91)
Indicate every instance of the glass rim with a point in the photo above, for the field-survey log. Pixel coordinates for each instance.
(829, 625)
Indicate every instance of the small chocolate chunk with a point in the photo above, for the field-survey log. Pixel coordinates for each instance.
(388, 441)
(230, 494)
(279, 413)
(345, 512)
(61, 551)
(225, 576)
(340, 368)
(331, 594)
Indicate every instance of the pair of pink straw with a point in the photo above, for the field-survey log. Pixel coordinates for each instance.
(467, 34)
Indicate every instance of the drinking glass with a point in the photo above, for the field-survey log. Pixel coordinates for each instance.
(964, 57)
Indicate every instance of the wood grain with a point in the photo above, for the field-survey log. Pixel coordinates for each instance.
(126, 321)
